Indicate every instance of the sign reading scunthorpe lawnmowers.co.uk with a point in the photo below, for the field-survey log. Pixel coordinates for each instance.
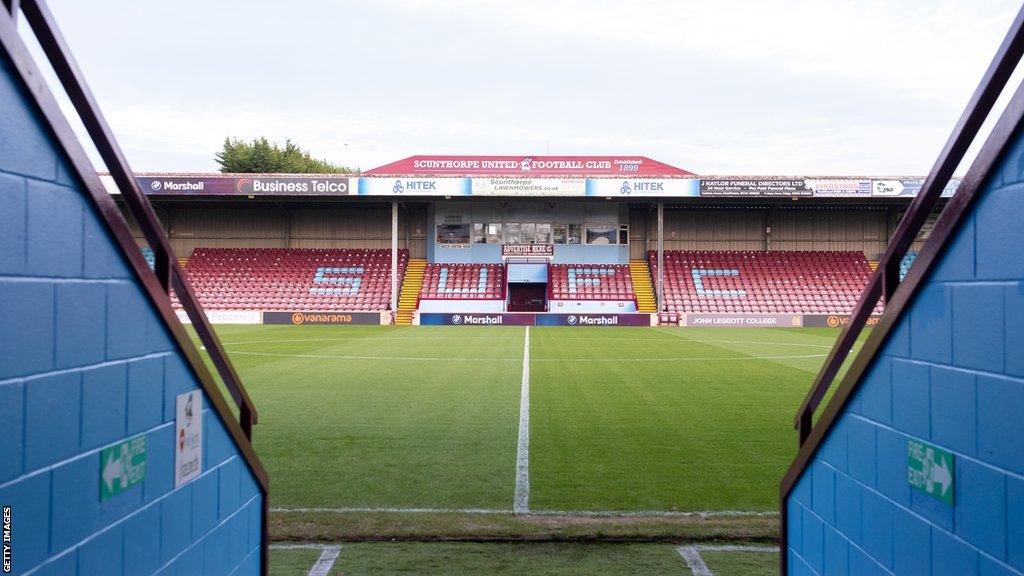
(188, 437)
(931, 470)
(122, 466)
(529, 184)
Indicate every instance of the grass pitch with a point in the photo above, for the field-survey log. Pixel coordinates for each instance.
(411, 432)
(622, 419)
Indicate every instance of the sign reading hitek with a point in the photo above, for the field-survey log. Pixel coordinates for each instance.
(122, 466)
(188, 437)
(930, 469)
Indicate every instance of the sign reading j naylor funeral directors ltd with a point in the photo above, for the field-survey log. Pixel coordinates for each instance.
(327, 185)
(188, 437)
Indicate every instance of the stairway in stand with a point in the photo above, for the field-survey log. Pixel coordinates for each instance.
(642, 287)
(410, 295)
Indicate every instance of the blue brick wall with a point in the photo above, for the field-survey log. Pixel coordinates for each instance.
(85, 362)
(952, 375)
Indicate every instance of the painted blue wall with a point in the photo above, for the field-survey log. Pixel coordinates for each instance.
(951, 374)
(84, 363)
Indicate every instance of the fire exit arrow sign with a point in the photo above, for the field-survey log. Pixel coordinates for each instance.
(122, 466)
(931, 470)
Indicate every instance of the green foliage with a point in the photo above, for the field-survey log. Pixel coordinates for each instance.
(263, 156)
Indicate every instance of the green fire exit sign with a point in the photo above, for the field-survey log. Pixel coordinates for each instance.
(931, 470)
(122, 466)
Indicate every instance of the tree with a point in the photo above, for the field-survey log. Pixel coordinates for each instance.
(262, 156)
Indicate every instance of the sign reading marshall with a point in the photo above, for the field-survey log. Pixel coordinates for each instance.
(527, 319)
(539, 166)
(254, 185)
(521, 250)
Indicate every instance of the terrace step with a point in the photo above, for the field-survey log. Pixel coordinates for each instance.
(409, 297)
(642, 287)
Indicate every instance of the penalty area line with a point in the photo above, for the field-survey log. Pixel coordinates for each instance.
(694, 562)
(566, 513)
(325, 562)
(521, 499)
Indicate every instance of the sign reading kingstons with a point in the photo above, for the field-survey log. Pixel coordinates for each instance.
(513, 176)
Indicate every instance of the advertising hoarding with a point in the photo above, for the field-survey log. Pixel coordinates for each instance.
(637, 187)
(414, 187)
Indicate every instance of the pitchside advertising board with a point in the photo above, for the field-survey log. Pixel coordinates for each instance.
(343, 318)
(414, 187)
(526, 319)
(531, 184)
(247, 185)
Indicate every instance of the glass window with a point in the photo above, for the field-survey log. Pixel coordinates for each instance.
(559, 233)
(624, 235)
(543, 233)
(574, 234)
(453, 233)
(529, 232)
(494, 233)
(512, 235)
(478, 233)
(602, 235)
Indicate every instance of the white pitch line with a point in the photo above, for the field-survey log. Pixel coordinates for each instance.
(326, 562)
(693, 560)
(566, 513)
(451, 359)
(734, 548)
(521, 500)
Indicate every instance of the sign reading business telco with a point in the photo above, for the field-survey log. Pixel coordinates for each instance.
(414, 186)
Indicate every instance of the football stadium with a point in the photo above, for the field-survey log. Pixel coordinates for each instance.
(518, 364)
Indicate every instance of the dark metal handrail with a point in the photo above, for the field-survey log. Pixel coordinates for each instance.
(167, 268)
(886, 278)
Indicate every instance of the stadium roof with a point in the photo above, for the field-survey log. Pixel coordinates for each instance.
(538, 166)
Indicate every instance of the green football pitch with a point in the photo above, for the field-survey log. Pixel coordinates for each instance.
(620, 419)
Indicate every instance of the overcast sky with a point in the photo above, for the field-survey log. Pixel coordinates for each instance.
(760, 87)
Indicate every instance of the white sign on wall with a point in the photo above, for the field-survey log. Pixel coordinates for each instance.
(529, 186)
(188, 437)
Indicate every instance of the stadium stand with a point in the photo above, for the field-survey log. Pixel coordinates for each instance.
(294, 279)
(591, 282)
(906, 263)
(810, 282)
(463, 282)
(147, 253)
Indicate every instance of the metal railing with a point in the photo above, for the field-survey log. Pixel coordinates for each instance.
(886, 278)
(885, 282)
(167, 274)
(167, 268)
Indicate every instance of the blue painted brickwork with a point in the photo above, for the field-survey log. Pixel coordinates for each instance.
(951, 374)
(85, 362)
